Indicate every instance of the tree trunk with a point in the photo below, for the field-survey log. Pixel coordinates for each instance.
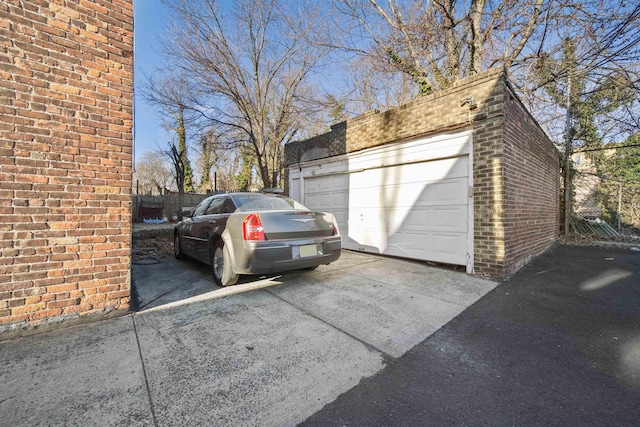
(475, 45)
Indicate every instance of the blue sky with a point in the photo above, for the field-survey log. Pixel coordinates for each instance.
(151, 19)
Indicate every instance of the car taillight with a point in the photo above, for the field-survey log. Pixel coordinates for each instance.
(252, 228)
(332, 219)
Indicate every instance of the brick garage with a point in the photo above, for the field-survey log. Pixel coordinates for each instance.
(514, 167)
(66, 85)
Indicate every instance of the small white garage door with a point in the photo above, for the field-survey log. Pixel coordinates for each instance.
(409, 199)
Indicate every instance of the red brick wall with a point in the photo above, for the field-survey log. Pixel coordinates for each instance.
(66, 85)
(503, 241)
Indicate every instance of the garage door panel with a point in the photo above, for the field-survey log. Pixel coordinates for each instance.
(410, 243)
(339, 200)
(434, 247)
(294, 189)
(410, 194)
(391, 222)
(339, 182)
(447, 191)
(440, 169)
(446, 247)
(415, 219)
(451, 218)
(324, 184)
(383, 220)
(324, 199)
(311, 200)
(333, 199)
(420, 150)
(310, 186)
(364, 198)
(416, 210)
(378, 221)
(435, 170)
(328, 182)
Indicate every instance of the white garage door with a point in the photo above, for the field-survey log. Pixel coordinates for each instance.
(409, 199)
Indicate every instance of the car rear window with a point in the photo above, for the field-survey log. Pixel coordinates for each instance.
(260, 202)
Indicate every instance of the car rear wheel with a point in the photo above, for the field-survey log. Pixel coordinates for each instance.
(177, 249)
(223, 273)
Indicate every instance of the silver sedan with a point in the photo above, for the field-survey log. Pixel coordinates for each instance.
(256, 233)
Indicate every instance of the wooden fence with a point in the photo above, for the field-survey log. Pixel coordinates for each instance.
(164, 206)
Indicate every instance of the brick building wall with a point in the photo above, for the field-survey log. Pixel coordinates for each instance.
(66, 86)
(496, 217)
(532, 186)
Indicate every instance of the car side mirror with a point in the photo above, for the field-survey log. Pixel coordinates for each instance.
(187, 214)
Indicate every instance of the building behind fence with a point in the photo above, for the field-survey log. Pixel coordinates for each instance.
(596, 196)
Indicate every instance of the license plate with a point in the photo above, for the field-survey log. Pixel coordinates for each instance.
(308, 250)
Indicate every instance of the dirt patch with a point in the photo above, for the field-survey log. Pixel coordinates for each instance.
(151, 250)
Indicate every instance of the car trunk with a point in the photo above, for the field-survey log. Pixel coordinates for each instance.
(285, 225)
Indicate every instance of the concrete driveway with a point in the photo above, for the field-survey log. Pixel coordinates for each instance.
(269, 351)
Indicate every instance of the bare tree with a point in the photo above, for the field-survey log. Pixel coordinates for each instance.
(207, 147)
(152, 174)
(437, 42)
(226, 168)
(373, 87)
(171, 94)
(177, 160)
(598, 51)
(217, 162)
(251, 65)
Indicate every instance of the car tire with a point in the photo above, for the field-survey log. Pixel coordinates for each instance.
(221, 265)
(177, 248)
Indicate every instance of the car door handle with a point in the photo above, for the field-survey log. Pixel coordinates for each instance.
(212, 221)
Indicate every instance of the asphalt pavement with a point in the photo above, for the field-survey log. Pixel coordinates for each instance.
(558, 344)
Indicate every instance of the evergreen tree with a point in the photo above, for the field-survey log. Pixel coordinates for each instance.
(243, 178)
(182, 149)
(620, 173)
